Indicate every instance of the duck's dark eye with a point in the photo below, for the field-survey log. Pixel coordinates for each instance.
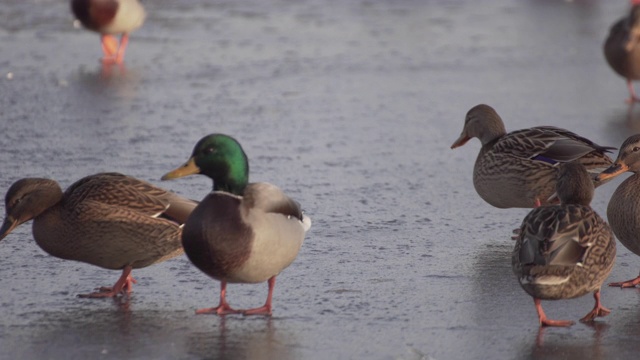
(208, 150)
(636, 149)
(16, 202)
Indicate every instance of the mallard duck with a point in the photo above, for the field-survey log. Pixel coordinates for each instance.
(622, 48)
(109, 220)
(110, 17)
(623, 210)
(519, 169)
(241, 232)
(567, 250)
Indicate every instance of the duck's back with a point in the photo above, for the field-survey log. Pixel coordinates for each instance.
(110, 220)
(563, 251)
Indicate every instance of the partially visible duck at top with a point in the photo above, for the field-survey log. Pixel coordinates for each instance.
(241, 232)
(109, 18)
(622, 48)
(519, 169)
(623, 211)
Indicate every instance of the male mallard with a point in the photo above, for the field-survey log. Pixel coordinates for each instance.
(622, 48)
(567, 250)
(110, 17)
(241, 232)
(109, 220)
(623, 210)
(519, 169)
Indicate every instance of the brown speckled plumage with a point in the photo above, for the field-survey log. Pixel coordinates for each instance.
(108, 220)
(567, 250)
(623, 211)
(622, 48)
(517, 169)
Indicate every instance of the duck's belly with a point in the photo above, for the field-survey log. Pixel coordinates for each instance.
(508, 184)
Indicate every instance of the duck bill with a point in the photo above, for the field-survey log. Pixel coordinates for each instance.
(7, 226)
(612, 171)
(461, 141)
(189, 168)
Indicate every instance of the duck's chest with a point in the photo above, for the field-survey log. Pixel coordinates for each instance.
(54, 235)
(623, 213)
(215, 237)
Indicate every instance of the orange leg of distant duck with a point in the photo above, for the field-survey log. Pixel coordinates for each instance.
(124, 41)
(223, 308)
(627, 284)
(632, 93)
(598, 309)
(547, 322)
(266, 308)
(123, 285)
(110, 46)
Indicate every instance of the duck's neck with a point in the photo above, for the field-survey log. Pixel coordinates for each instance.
(233, 179)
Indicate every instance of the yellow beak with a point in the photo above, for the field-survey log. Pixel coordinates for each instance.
(189, 168)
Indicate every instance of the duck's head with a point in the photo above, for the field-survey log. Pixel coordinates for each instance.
(483, 122)
(574, 184)
(628, 159)
(221, 158)
(26, 199)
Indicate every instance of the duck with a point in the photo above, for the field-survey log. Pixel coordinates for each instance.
(623, 210)
(622, 48)
(109, 18)
(519, 169)
(241, 232)
(109, 220)
(567, 250)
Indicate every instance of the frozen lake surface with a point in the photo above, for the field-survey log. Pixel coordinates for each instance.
(350, 107)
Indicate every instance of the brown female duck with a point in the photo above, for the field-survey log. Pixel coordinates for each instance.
(519, 169)
(567, 250)
(623, 210)
(109, 220)
(622, 48)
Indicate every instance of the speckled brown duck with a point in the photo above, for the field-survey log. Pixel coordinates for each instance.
(623, 211)
(109, 18)
(519, 169)
(109, 220)
(565, 251)
(622, 48)
(241, 232)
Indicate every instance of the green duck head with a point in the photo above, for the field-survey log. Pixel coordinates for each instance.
(221, 158)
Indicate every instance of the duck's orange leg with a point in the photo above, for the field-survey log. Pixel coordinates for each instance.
(122, 286)
(266, 308)
(627, 284)
(124, 41)
(544, 321)
(598, 309)
(110, 46)
(223, 308)
(633, 98)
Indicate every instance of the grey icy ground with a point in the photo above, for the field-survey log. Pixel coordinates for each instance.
(350, 107)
